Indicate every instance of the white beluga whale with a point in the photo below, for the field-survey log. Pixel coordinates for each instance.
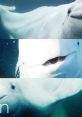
(37, 97)
(41, 58)
(47, 58)
(56, 22)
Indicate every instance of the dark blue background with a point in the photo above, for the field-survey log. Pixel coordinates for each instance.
(23, 5)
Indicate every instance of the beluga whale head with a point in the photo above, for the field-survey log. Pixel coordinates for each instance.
(34, 97)
(72, 27)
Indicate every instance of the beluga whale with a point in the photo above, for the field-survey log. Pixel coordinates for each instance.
(49, 58)
(63, 21)
(35, 97)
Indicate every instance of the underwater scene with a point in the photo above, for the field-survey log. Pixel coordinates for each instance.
(40, 97)
(40, 58)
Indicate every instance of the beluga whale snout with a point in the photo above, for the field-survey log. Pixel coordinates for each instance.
(76, 11)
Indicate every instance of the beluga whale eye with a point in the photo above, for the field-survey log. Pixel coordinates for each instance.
(55, 60)
(69, 11)
(13, 87)
(78, 43)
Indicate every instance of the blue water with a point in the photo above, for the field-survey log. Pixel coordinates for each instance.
(24, 5)
(8, 57)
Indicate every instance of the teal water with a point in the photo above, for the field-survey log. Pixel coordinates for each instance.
(24, 5)
(71, 107)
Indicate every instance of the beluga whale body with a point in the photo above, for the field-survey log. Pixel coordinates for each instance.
(56, 22)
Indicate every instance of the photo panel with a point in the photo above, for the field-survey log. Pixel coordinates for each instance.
(41, 58)
(40, 97)
(45, 21)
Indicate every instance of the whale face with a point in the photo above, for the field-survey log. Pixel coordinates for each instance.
(44, 20)
(41, 58)
(37, 95)
(9, 95)
(73, 22)
(49, 58)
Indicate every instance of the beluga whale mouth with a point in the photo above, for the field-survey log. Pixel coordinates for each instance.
(55, 60)
(1, 97)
